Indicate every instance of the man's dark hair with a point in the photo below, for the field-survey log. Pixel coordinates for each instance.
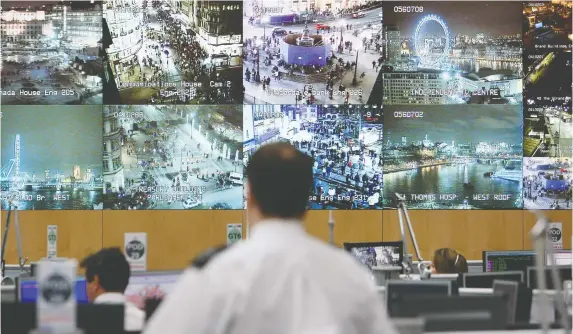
(110, 265)
(280, 179)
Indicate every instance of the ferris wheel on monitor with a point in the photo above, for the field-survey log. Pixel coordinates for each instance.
(426, 56)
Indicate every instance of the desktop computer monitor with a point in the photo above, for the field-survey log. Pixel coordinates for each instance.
(561, 257)
(398, 289)
(518, 298)
(564, 275)
(498, 261)
(485, 280)
(27, 290)
(453, 313)
(372, 254)
(21, 318)
(150, 285)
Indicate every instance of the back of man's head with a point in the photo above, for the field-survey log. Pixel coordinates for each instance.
(280, 179)
(111, 268)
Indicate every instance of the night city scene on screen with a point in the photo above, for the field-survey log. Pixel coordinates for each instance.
(453, 157)
(173, 157)
(445, 52)
(51, 157)
(51, 52)
(319, 55)
(174, 52)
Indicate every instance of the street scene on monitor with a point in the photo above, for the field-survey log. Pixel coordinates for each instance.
(51, 158)
(453, 157)
(173, 52)
(377, 256)
(322, 54)
(546, 26)
(50, 52)
(173, 157)
(547, 183)
(344, 141)
(444, 52)
(548, 131)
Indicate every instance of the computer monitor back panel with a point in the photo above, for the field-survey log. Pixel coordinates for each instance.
(398, 289)
(560, 258)
(455, 313)
(485, 280)
(563, 271)
(500, 261)
(147, 285)
(373, 254)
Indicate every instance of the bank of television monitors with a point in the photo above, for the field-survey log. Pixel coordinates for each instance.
(150, 105)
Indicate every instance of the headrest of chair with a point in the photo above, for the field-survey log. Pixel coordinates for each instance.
(202, 259)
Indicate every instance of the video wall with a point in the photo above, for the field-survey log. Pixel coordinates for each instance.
(153, 105)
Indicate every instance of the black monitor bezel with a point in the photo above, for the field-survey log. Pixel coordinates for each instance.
(494, 273)
(532, 268)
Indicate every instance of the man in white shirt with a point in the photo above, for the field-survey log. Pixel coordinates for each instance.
(107, 276)
(280, 280)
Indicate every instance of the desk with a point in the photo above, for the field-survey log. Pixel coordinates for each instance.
(538, 310)
(527, 331)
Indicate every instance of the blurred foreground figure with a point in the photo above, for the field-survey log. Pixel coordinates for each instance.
(280, 280)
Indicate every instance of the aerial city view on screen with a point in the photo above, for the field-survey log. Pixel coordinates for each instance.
(173, 52)
(344, 140)
(51, 157)
(445, 52)
(322, 54)
(453, 157)
(173, 157)
(547, 127)
(50, 52)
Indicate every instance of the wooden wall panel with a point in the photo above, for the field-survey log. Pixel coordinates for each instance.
(79, 233)
(174, 237)
(469, 232)
(563, 216)
(349, 226)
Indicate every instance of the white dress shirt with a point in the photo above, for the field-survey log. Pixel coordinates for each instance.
(280, 281)
(134, 317)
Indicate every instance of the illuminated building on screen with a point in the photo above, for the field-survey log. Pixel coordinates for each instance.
(125, 23)
(217, 24)
(112, 164)
(77, 172)
(24, 26)
(80, 27)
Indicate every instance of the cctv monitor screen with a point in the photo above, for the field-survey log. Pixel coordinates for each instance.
(374, 254)
(51, 157)
(499, 261)
(150, 285)
(345, 142)
(28, 291)
(453, 156)
(173, 157)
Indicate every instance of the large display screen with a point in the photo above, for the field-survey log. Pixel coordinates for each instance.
(173, 157)
(345, 142)
(453, 157)
(159, 105)
(51, 157)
